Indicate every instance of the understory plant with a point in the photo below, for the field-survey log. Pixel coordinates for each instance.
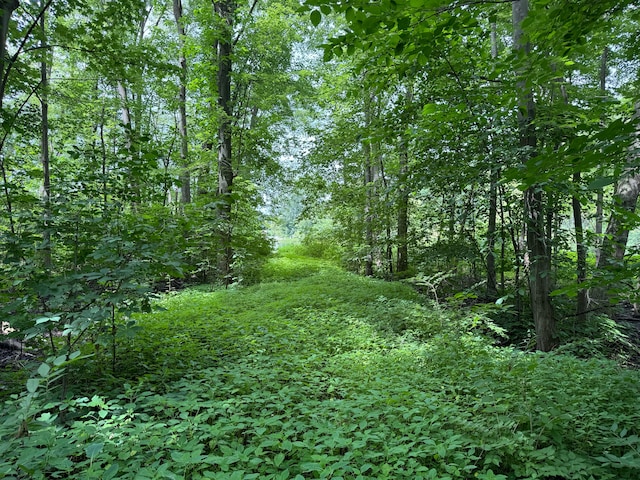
(326, 375)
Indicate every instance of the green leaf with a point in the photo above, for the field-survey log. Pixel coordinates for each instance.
(310, 467)
(404, 23)
(47, 320)
(429, 108)
(59, 360)
(44, 369)
(32, 384)
(93, 449)
(600, 182)
(350, 14)
(111, 471)
(316, 17)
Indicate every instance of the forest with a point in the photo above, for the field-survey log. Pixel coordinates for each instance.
(291, 239)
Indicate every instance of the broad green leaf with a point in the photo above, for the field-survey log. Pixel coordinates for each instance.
(316, 17)
(74, 355)
(601, 182)
(59, 360)
(44, 369)
(429, 109)
(111, 471)
(32, 384)
(47, 320)
(278, 459)
(93, 449)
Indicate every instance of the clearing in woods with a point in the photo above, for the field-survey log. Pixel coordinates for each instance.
(318, 373)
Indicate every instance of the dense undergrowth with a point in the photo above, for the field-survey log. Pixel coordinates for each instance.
(317, 373)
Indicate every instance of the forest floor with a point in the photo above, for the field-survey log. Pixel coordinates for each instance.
(318, 373)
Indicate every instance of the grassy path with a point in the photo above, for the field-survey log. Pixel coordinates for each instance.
(316, 373)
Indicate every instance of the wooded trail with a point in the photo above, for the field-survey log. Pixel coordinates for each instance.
(319, 373)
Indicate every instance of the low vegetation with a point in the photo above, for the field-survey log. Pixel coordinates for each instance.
(318, 373)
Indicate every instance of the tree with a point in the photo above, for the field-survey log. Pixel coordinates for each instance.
(225, 9)
(185, 186)
(538, 241)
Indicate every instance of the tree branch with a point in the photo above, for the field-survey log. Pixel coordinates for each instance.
(253, 6)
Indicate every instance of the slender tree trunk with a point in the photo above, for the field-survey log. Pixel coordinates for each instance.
(599, 222)
(6, 10)
(600, 195)
(125, 114)
(225, 10)
(503, 243)
(387, 262)
(581, 253)
(368, 187)
(492, 288)
(44, 150)
(402, 263)
(103, 158)
(185, 177)
(368, 210)
(539, 254)
(582, 301)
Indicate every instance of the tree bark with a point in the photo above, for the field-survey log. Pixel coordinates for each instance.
(185, 177)
(44, 151)
(626, 195)
(600, 195)
(225, 9)
(581, 253)
(368, 210)
(492, 288)
(134, 188)
(617, 234)
(371, 179)
(125, 114)
(402, 262)
(539, 254)
(6, 10)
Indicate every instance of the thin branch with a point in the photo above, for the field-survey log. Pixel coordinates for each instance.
(253, 6)
(15, 56)
(15, 116)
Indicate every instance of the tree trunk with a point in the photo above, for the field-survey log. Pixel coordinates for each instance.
(44, 151)
(402, 264)
(581, 248)
(225, 10)
(6, 10)
(368, 186)
(492, 288)
(539, 254)
(185, 177)
(403, 197)
(581, 253)
(600, 195)
(614, 242)
(617, 234)
(125, 114)
(368, 210)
